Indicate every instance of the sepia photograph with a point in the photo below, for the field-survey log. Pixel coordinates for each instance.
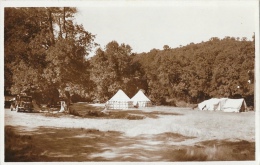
(130, 81)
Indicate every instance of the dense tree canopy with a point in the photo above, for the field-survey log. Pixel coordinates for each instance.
(192, 73)
(45, 54)
(44, 50)
(113, 69)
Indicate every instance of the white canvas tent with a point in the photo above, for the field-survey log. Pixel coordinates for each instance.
(235, 105)
(141, 100)
(223, 104)
(119, 101)
(213, 104)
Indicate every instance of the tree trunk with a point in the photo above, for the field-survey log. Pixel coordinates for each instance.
(51, 26)
(64, 22)
(60, 34)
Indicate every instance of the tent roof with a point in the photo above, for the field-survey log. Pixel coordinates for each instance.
(225, 104)
(120, 96)
(234, 104)
(140, 96)
(209, 103)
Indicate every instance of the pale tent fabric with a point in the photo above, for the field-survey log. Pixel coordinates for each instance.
(222, 102)
(213, 104)
(141, 100)
(209, 105)
(119, 101)
(235, 105)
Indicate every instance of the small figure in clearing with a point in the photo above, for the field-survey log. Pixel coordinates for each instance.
(105, 110)
(63, 106)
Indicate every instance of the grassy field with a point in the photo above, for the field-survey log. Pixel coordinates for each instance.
(182, 120)
(54, 144)
(150, 134)
(88, 111)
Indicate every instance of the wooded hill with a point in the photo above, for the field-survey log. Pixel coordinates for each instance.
(47, 62)
(192, 73)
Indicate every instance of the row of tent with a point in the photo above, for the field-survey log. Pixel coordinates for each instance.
(223, 104)
(121, 101)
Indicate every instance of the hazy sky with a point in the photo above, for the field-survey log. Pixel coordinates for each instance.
(146, 26)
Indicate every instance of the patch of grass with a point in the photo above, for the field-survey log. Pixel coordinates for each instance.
(81, 108)
(124, 115)
(169, 136)
(19, 147)
(72, 111)
(94, 113)
(52, 144)
(53, 114)
(215, 150)
(85, 110)
(88, 111)
(135, 117)
(71, 144)
(239, 150)
(153, 114)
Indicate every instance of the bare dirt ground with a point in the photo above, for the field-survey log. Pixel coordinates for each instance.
(175, 134)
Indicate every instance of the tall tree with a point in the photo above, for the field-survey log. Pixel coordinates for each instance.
(47, 57)
(110, 69)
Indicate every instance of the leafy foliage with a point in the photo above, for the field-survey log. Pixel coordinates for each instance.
(45, 54)
(113, 69)
(216, 68)
(45, 50)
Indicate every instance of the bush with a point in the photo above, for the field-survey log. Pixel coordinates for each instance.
(95, 113)
(72, 111)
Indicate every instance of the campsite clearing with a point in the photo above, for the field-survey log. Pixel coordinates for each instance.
(190, 135)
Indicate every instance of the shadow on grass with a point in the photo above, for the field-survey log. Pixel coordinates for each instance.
(27, 111)
(216, 151)
(88, 111)
(77, 145)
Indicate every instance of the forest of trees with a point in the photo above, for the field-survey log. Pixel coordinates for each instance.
(193, 73)
(45, 56)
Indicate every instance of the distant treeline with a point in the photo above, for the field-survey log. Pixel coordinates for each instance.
(192, 73)
(45, 56)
